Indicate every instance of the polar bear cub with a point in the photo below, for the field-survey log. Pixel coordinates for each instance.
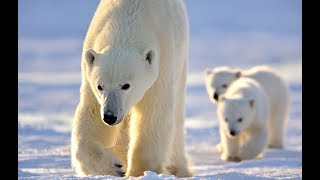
(243, 113)
(219, 79)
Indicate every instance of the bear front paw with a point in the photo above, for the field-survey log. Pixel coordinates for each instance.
(119, 170)
(224, 156)
(227, 157)
(219, 148)
(114, 168)
(234, 159)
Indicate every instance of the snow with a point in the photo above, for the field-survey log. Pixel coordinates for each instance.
(242, 34)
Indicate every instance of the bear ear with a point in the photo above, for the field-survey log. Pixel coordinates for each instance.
(149, 56)
(251, 103)
(90, 56)
(238, 74)
(207, 71)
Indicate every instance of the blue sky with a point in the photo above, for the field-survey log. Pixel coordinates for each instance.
(222, 32)
(46, 18)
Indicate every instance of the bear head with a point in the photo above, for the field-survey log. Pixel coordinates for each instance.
(120, 80)
(236, 114)
(217, 81)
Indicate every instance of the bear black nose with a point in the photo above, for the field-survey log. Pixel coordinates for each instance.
(232, 133)
(109, 118)
(215, 96)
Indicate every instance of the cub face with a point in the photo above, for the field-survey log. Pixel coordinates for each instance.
(217, 81)
(235, 115)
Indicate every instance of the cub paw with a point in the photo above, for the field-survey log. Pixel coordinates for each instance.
(227, 157)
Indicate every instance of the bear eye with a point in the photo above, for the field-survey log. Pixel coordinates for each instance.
(224, 85)
(240, 120)
(226, 119)
(100, 88)
(125, 87)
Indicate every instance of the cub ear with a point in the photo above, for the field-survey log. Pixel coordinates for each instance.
(207, 71)
(238, 74)
(150, 56)
(90, 56)
(251, 103)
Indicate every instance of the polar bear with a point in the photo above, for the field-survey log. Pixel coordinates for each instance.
(218, 80)
(243, 113)
(130, 117)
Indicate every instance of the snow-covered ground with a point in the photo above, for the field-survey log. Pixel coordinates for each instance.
(242, 34)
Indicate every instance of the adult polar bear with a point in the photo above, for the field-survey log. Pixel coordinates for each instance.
(130, 117)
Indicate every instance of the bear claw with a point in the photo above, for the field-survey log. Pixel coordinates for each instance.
(117, 165)
(121, 173)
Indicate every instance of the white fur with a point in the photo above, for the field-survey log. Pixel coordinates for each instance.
(243, 109)
(148, 133)
(275, 87)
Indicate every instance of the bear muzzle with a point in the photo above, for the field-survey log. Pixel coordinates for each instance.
(232, 133)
